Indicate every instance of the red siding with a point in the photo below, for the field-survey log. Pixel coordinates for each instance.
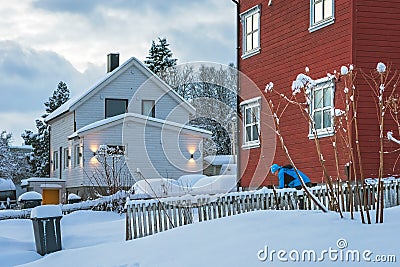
(377, 38)
(287, 47)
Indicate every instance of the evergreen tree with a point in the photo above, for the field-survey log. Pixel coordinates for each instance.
(160, 57)
(39, 159)
(13, 163)
(60, 96)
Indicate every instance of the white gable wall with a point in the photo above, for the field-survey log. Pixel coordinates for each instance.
(131, 85)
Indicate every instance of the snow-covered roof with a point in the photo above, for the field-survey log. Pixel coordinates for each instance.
(6, 184)
(46, 211)
(219, 159)
(31, 195)
(24, 182)
(137, 117)
(72, 103)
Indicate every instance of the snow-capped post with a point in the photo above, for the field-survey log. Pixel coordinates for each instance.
(46, 227)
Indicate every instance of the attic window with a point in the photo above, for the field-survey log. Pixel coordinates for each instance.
(148, 108)
(115, 107)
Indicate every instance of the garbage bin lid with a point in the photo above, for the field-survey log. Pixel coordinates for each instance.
(46, 211)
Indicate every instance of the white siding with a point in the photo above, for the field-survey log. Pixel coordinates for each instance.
(161, 152)
(61, 128)
(133, 85)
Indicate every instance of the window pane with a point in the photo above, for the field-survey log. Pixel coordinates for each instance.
(327, 97)
(248, 116)
(148, 108)
(249, 24)
(327, 9)
(318, 119)
(318, 12)
(255, 132)
(327, 118)
(248, 133)
(255, 40)
(318, 99)
(115, 107)
(249, 42)
(256, 17)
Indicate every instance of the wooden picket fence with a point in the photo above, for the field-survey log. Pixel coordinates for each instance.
(147, 217)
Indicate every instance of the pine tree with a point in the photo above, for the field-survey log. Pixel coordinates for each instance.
(160, 57)
(39, 159)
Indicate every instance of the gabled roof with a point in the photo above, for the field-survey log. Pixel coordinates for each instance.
(138, 118)
(74, 102)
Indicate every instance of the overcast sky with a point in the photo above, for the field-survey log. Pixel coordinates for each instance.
(43, 42)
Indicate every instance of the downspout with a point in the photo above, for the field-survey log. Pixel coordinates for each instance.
(238, 116)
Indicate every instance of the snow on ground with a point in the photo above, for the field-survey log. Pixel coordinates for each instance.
(97, 239)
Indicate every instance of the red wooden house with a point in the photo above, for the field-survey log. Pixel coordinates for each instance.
(278, 39)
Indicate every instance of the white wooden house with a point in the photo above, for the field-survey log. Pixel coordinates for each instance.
(132, 109)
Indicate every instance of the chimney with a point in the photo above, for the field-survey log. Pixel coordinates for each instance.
(112, 61)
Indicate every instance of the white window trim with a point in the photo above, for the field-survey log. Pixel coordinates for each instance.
(254, 102)
(329, 131)
(243, 16)
(323, 23)
(78, 155)
(67, 158)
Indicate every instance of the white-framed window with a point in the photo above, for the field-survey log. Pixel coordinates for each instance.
(55, 160)
(251, 122)
(67, 157)
(322, 13)
(77, 155)
(149, 108)
(115, 107)
(322, 106)
(251, 31)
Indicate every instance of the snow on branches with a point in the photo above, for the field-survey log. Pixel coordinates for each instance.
(380, 67)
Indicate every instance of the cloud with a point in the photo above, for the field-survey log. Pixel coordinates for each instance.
(29, 77)
(43, 42)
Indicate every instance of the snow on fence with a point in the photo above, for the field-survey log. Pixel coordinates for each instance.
(106, 203)
(147, 217)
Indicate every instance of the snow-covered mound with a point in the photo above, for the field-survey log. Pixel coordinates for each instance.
(250, 239)
(31, 195)
(6, 184)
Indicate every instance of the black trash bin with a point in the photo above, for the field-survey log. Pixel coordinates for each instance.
(46, 228)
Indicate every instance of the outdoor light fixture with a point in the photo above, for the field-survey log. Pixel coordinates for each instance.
(191, 156)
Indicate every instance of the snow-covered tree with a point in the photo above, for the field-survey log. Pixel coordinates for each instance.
(160, 57)
(13, 164)
(212, 91)
(5, 154)
(39, 159)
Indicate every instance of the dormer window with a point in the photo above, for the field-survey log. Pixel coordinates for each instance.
(115, 107)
